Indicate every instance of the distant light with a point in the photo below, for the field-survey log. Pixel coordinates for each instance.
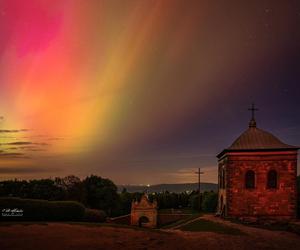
(148, 185)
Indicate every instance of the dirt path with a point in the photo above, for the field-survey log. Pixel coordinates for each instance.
(65, 236)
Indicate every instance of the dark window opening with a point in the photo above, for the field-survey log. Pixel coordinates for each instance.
(272, 179)
(250, 179)
(222, 179)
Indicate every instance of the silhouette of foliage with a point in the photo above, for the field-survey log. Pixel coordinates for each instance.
(34, 209)
(94, 215)
(100, 193)
(209, 202)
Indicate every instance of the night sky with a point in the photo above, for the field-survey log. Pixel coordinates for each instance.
(142, 92)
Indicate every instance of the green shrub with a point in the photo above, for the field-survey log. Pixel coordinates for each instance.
(194, 201)
(42, 210)
(94, 215)
(210, 202)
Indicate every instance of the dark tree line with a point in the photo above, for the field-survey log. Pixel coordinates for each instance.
(93, 191)
(167, 200)
(100, 193)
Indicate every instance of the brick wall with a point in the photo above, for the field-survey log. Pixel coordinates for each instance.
(261, 201)
(151, 215)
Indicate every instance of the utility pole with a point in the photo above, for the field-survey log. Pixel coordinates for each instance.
(199, 181)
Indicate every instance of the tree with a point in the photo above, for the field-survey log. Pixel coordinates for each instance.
(100, 193)
(44, 189)
(194, 202)
(125, 202)
(73, 187)
(210, 202)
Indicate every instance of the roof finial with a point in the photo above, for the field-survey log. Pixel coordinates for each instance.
(252, 123)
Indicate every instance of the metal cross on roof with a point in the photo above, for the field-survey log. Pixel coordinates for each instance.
(253, 109)
(252, 123)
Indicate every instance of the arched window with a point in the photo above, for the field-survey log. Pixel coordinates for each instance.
(250, 179)
(272, 179)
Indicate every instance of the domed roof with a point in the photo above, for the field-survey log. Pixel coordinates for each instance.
(255, 139)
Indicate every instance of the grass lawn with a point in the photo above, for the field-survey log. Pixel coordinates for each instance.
(23, 223)
(209, 226)
(279, 226)
(86, 224)
(178, 222)
(45, 223)
(178, 211)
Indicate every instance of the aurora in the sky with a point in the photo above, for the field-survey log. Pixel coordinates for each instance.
(141, 91)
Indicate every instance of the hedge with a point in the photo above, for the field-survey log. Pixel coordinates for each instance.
(94, 215)
(41, 210)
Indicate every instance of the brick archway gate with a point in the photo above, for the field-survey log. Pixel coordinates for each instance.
(144, 213)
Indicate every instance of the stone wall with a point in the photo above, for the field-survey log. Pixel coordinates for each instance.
(124, 219)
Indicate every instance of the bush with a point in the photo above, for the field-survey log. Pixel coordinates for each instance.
(94, 215)
(210, 202)
(194, 201)
(42, 210)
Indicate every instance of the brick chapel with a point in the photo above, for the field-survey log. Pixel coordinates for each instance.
(257, 176)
